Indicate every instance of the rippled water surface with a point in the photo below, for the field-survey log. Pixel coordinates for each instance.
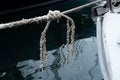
(83, 65)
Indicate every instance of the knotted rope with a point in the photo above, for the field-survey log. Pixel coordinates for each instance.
(42, 18)
(52, 15)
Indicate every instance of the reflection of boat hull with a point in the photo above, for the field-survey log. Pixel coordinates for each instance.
(108, 45)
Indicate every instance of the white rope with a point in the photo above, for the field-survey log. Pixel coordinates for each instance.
(80, 7)
(52, 15)
(41, 18)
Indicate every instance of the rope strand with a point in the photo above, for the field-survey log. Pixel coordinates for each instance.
(43, 46)
(70, 29)
(52, 15)
(68, 40)
(72, 36)
(42, 18)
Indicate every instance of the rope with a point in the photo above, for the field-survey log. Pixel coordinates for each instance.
(42, 18)
(80, 7)
(52, 15)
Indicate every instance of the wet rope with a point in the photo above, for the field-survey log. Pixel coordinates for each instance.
(42, 18)
(52, 15)
(56, 15)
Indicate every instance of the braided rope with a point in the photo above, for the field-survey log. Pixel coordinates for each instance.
(52, 15)
(44, 17)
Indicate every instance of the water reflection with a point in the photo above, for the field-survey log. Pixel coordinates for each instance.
(83, 65)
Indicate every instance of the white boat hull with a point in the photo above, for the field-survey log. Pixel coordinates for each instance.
(108, 37)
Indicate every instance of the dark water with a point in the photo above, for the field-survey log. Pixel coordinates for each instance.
(19, 47)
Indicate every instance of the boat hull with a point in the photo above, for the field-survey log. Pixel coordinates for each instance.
(108, 36)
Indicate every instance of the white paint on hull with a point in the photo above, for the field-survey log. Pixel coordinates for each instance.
(111, 38)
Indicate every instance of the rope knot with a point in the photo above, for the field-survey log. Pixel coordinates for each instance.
(52, 15)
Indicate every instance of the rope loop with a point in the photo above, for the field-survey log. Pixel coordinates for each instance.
(56, 15)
